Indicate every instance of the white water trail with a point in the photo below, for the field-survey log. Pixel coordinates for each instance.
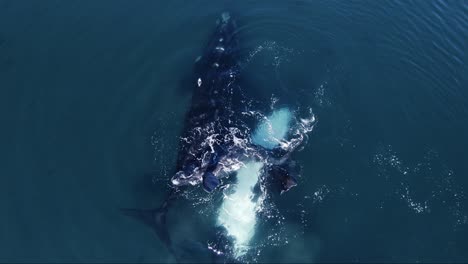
(238, 210)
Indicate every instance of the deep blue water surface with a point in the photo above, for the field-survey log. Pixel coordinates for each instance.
(93, 97)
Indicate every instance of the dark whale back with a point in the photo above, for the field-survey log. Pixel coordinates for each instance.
(216, 70)
(215, 89)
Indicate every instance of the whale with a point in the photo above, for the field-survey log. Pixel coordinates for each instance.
(218, 140)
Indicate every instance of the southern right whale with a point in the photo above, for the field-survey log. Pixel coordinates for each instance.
(217, 141)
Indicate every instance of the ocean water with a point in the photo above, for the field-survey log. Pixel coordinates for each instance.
(93, 96)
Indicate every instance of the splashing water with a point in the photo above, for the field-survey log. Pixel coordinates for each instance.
(242, 206)
(273, 129)
(238, 211)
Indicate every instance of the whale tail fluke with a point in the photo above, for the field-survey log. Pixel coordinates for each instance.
(155, 219)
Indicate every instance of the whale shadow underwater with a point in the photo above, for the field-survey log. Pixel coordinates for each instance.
(217, 141)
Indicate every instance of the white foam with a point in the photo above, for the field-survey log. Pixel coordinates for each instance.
(273, 129)
(238, 211)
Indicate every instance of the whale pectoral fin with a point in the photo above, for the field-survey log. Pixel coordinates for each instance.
(287, 183)
(284, 177)
(210, 181)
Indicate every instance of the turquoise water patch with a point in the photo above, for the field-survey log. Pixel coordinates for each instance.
(238, 211)
(273, 129)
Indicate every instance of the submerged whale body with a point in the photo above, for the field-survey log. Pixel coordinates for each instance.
(216, 142)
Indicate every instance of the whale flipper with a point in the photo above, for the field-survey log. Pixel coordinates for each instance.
(284, 175)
